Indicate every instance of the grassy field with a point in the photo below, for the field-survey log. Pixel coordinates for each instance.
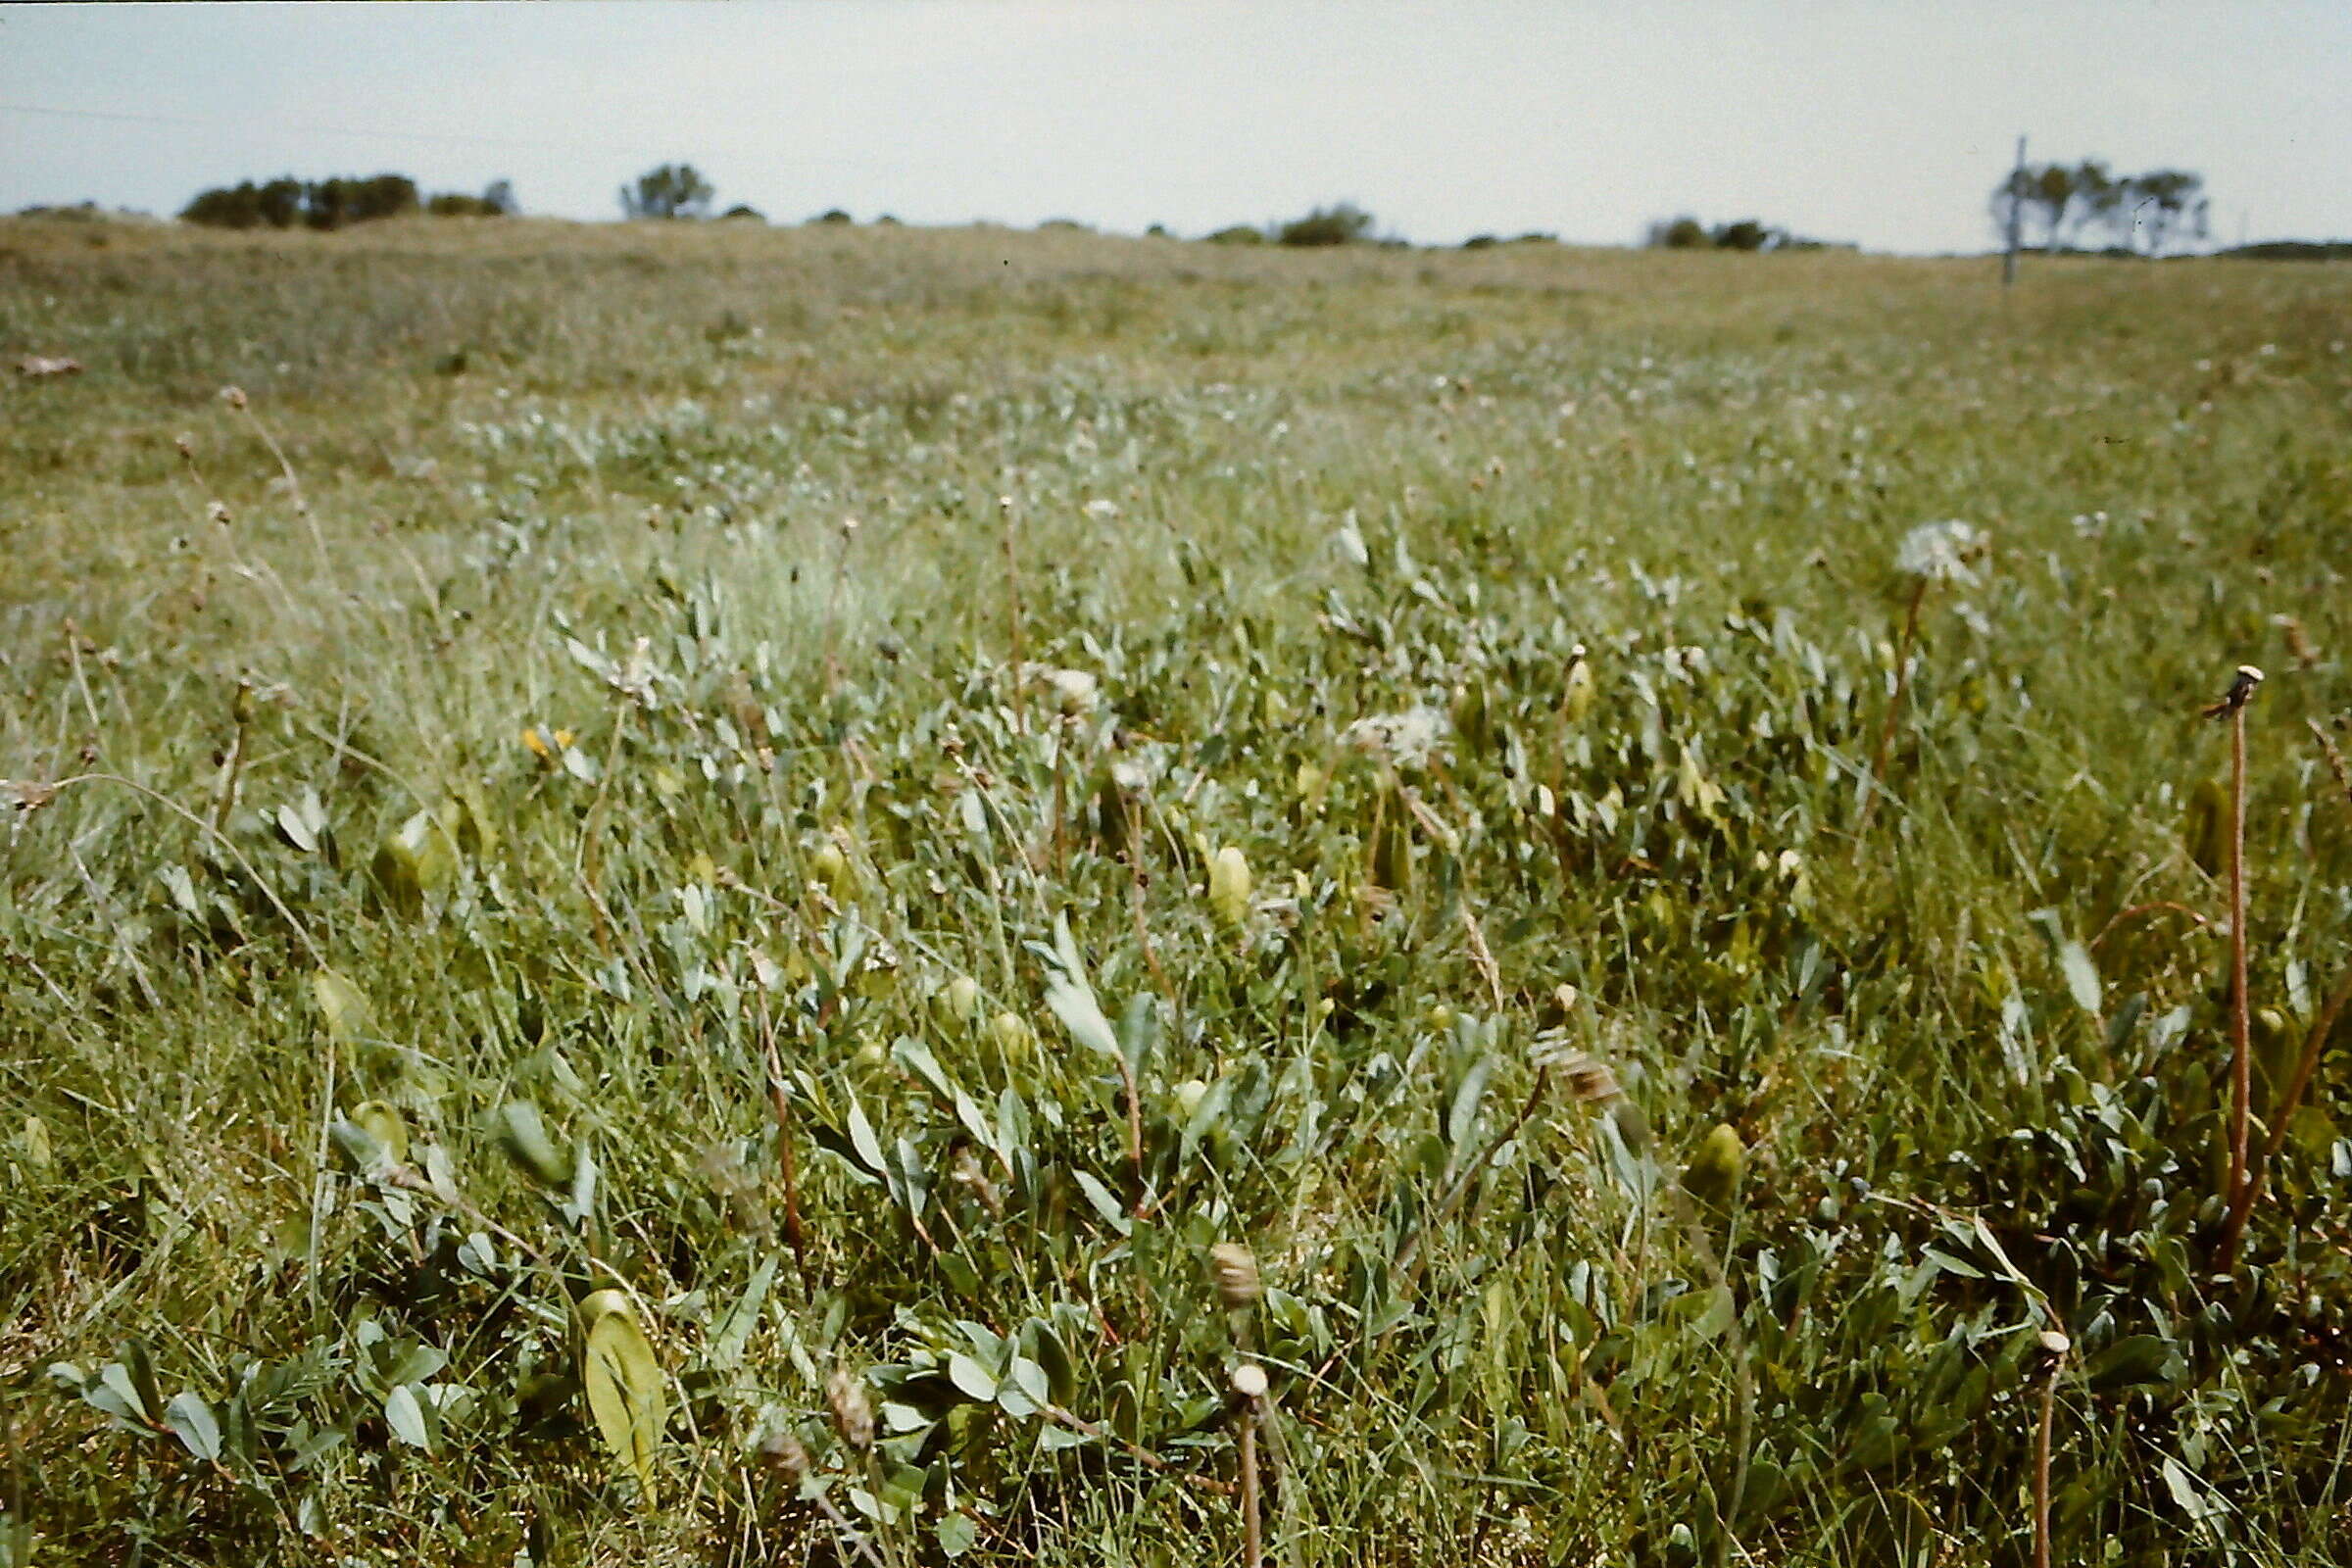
(666, 890)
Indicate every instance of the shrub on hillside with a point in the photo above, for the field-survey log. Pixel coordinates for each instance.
(673, 190)
(1342, 225)
(1687, 233)
(1238, 234)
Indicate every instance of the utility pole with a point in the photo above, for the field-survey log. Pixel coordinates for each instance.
(2017, 213)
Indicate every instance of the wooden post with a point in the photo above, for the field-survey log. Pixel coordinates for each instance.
(2017, 213)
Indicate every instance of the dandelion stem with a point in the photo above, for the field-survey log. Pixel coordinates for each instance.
(2241, 1058)
(2042, 1458)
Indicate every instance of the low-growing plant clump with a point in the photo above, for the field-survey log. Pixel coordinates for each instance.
(700, 893)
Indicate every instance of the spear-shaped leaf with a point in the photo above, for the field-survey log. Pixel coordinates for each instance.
(1071, 998)
(623, 1379)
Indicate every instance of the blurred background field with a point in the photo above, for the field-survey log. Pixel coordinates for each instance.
(612, 761)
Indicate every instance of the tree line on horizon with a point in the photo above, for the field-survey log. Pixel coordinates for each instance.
(334, 203)
(2055, 207)
(2073, 203)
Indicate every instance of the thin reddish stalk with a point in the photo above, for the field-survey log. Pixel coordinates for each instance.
(2241, 1054)
(2042, 1462)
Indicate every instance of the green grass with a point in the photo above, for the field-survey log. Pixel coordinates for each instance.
(294, 924)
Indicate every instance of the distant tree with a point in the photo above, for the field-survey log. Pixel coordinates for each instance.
(2093, 202)
(1343, 224)
(286, 202)
(2292, 250)
(281, 201)
(224, 207)
(673, 190)
(334, 203)
(497, 200)
(1236, 234)
(1480, 242)
(832, 215)
(744, 214)
(1157, 231)
(2066, 206)
(2056, 199)
(2051, 193)
(1746, 235)
(1687, 233)
(2163, 206)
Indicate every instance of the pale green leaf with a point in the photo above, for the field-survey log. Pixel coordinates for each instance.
(623, 1379)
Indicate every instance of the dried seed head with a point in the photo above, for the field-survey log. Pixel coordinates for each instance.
(233, 396)
(218, 512)
(1590, 1079)
(1249, 1380)
(1235, 1270)
(787, 1454)
(853, 1413)
(186, 443)
(2240, 692)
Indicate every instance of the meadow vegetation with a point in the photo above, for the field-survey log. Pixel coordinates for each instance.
(693, 894)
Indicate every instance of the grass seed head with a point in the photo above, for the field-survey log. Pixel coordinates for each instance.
(853, 1412)
(787, 1454)
(1234, 1268)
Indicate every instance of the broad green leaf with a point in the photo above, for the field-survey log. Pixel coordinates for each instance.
(957, 1535)
(864, 1142)
(524, 1137)
(415, 861)
(405, 1417)
(2082, 975)
(1103, 1203)
(970, 1378)
(1462, 1119)
(2136, 1360)
(139, 1367)
(342, 1005)
(1024, 1390)
(191, 1420)
(623, 1379)
(916, 1058)
(386, 1126)
(1071, 998)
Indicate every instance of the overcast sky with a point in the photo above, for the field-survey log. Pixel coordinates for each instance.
(1886, 123)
